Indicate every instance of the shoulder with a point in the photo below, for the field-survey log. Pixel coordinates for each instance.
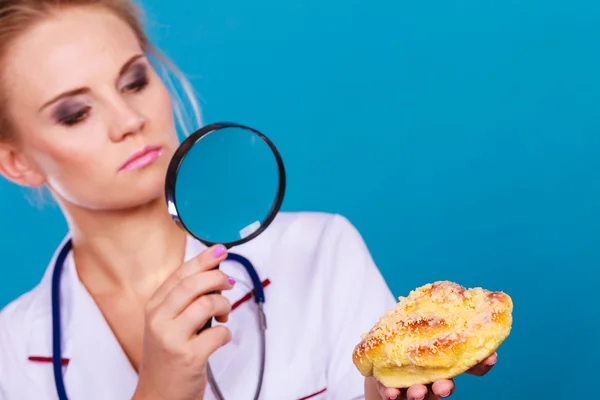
(299, 248)
(25, 330)
(312, 228)
(326, 235)
(19, 321)
(17, 318)
(306, 218)
(318, 247)
(311, 242)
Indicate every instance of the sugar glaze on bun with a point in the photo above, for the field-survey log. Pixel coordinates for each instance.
(439, 331)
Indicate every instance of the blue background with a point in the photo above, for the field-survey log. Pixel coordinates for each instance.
(461, 138)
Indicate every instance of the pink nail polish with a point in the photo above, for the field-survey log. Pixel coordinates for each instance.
(231, 280)
(218, 251)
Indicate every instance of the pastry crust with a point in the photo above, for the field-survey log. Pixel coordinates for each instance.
(438, 332)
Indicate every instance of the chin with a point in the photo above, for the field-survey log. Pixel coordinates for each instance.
(141, 192)
(140, 189)
(127, 190)
(140, 199)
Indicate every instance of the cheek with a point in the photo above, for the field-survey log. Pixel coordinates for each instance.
(71, 156)
(156, 104)
(78, 171)
(163, 102)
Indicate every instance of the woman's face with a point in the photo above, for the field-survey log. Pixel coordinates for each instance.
(83, 99)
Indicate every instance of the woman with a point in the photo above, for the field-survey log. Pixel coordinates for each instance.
(85, 114)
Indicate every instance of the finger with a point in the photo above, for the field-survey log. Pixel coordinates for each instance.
(205, 261)
(222, 318)
(485, 366)
(189, 289)
(443, 388)
(389, 393)
(384, 393)
(416, 392)
(210, 340)
(201, 310)
(430, 395)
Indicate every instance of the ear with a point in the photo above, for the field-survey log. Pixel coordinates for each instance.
(17, 169)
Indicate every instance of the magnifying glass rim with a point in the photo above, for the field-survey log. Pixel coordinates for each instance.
(177, 160)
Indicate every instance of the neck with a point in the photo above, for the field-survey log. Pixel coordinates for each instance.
(131, 250)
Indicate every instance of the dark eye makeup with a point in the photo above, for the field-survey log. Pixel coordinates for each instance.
(137, 78)
(72, 111)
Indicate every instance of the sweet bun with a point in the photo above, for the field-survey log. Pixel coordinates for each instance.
(438, 332)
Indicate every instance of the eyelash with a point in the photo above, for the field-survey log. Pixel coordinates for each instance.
(135, 87)
(75, 117)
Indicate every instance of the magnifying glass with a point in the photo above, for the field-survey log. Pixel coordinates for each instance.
(225, 184)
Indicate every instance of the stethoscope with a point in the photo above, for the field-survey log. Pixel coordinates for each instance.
(259, 298)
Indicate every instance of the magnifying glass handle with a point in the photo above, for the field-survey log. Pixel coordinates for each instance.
(208, 323)
(206, 326)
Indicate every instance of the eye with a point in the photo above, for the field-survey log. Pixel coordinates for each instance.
(139, 82)
(137, 86)
(75, 117)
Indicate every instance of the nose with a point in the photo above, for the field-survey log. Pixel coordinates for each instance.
(127, 121)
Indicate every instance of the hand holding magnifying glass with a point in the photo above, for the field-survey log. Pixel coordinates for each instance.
(246, 173)
(247, 184)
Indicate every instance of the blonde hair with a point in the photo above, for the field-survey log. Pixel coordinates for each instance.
(17, 16)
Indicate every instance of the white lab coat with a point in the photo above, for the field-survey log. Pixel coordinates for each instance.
(322, 292)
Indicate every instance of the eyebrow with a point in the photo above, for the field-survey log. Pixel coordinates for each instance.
(82, 90)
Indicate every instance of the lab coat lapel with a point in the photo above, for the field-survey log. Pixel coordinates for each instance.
(98, 368)
(39, 343)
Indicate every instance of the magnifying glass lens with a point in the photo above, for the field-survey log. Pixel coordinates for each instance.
(227, 185)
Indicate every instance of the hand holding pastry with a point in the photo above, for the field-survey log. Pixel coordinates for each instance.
(438, 332)
(440, 389)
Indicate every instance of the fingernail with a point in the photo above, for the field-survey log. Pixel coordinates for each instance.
(231, 280)
(218, 251)
(446, 394)
(393, 398)
(419, 398)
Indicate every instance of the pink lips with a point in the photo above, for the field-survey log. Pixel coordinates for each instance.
(142, 158)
